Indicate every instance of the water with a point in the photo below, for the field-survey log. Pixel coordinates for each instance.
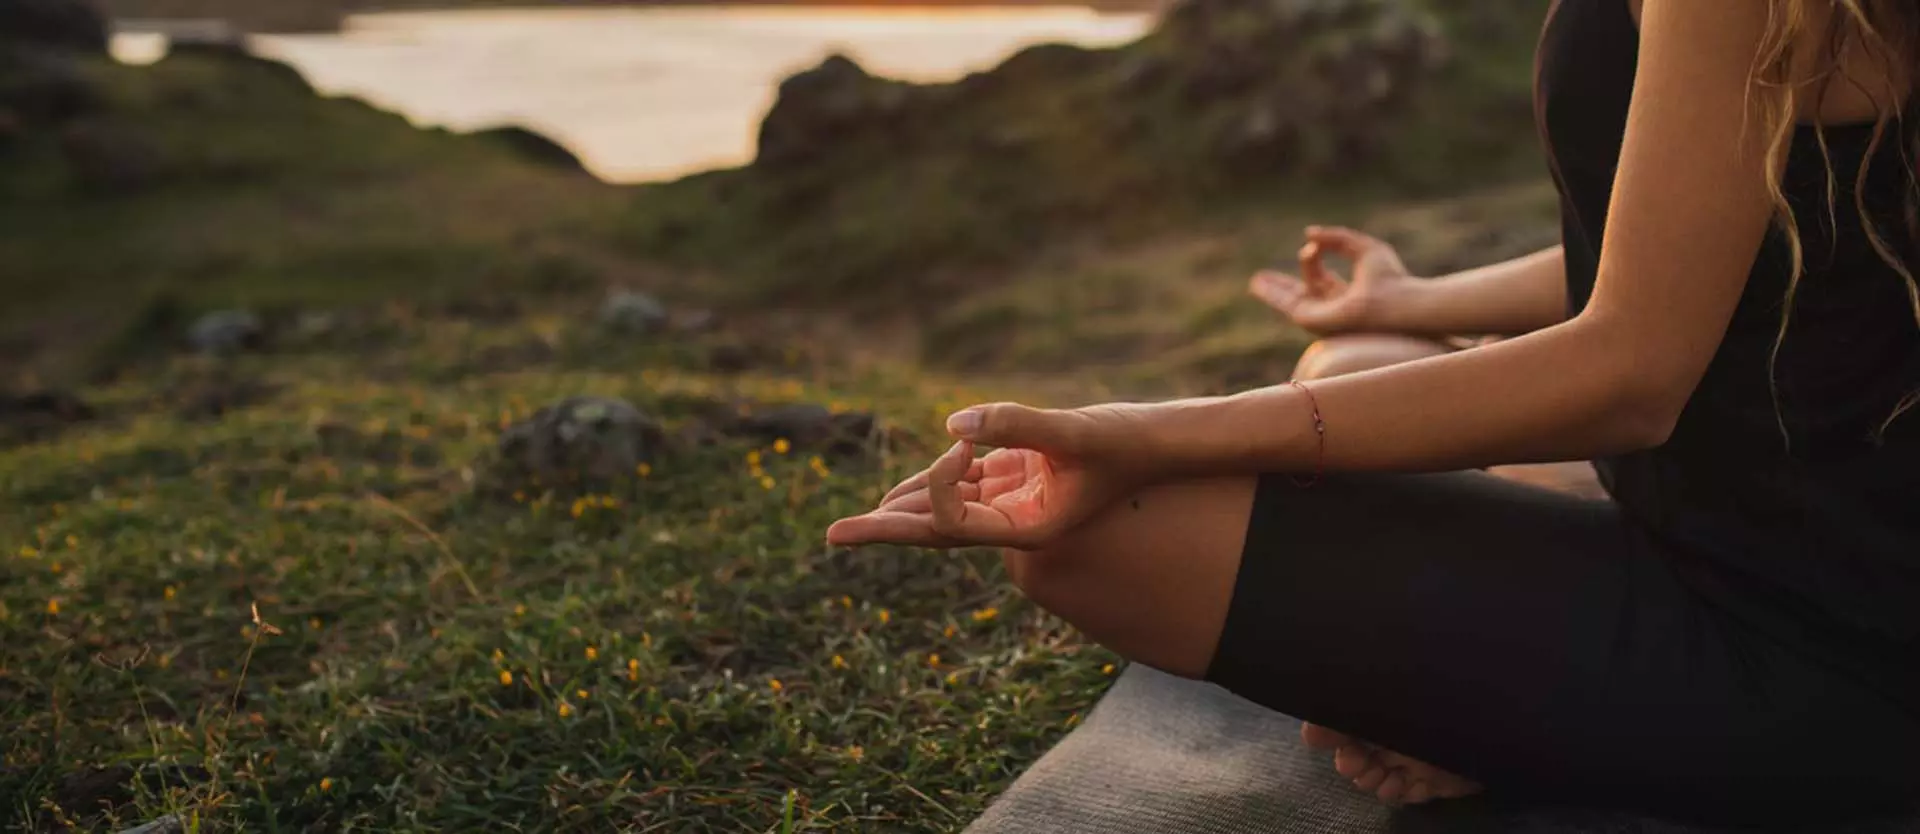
(642, 94)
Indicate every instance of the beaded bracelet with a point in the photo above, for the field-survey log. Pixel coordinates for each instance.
(1320, 430)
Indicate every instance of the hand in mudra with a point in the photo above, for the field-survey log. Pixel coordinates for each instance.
(1318, 299)
(1054, 470)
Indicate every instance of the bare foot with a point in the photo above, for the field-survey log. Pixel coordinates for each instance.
(1396, 779)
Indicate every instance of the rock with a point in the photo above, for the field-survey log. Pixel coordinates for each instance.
(633, 312)
(823, 106)
(581, 440)
(226, 332)
(63, 24)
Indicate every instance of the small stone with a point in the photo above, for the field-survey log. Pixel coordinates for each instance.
(225, 332)
(580, 440)
(629, 311)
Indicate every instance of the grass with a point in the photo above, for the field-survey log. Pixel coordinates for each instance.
(683, 654)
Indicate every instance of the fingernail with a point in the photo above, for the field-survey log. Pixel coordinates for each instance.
(964, 423)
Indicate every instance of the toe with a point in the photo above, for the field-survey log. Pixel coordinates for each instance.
(1373, 779)
(1393, 789)
(1321, 738)
(1420, 794)
(1352, 760)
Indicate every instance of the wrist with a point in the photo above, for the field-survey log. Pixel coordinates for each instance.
(1397, 306)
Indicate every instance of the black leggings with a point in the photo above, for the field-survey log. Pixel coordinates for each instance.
(1540, 644)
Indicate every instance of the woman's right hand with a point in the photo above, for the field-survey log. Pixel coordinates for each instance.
(1319, 300)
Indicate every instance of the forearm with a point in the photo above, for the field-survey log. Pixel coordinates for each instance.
(1509, 298)
(1564, 393)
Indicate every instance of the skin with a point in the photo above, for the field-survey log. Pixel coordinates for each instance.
(1109, 511)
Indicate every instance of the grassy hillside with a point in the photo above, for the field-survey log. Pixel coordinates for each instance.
(1230, 108)
(213, 179)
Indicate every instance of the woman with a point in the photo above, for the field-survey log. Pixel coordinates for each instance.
(1731, 635)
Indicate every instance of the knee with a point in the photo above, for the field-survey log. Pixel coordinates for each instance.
(1351, 354)
(1330, 357)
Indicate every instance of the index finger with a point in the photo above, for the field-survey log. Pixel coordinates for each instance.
(943, 480)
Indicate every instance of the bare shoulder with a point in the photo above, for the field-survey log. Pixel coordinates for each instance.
(1846, 77)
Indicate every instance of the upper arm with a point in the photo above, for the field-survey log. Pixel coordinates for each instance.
(1690, 206)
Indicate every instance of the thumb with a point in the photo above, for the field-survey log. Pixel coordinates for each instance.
(1014, 426)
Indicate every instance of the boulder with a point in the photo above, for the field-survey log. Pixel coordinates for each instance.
(580, 441)
(629, 311)
(60, 24)
(226, 332)
(820, 107)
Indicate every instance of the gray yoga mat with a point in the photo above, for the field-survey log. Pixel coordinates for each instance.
(1162, 755)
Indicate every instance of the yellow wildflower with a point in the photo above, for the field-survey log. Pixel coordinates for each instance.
(933, 660)
(948, 632)
(781, 446)
(819, 466)
(314, 623)
(775, 684)
(1073, 719)
(566, 710)
(73, 542)
(1107, 669)
(985, 614)
(29, 552)
(579, 507)
(593, 653)
(582, 694)
(753, 458)
(520, 611)
(644, 470)
(846, 602)
(499, 655)
(56, 567)
(326, 784)
(839, 662)
(953, 678)
(766, 482)
(53, 606)
(885, 616)
(646, 640)
(167, 592)
(856, 752)
(506, 678)
(633, 669)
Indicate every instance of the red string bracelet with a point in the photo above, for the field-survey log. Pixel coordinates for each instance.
(1320, 430)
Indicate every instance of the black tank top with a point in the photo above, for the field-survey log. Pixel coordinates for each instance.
(1815, 539)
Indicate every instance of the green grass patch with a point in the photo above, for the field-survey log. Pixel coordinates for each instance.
(680, 654)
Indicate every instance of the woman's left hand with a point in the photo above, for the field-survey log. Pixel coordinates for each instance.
(1053, 470)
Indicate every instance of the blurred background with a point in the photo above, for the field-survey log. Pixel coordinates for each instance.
(424, 413)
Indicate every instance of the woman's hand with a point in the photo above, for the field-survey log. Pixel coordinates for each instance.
(1053, 470)
(1319, 300)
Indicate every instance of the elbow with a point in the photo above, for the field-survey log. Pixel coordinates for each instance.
(1645, 390)
(1644, 421)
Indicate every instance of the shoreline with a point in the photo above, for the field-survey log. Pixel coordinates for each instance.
(328, 16)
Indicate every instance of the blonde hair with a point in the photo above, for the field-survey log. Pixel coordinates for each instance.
(1786, 72)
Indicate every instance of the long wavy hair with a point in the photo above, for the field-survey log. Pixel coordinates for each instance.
(1789, 76)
